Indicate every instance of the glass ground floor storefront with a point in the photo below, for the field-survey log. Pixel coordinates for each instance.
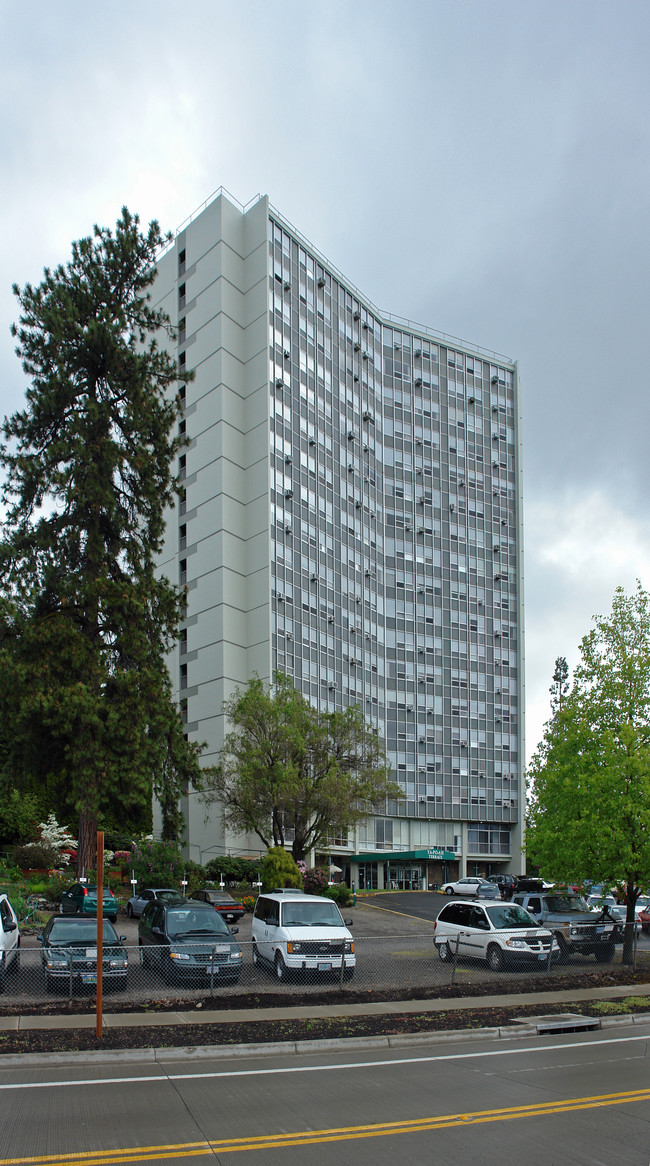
(413, 870)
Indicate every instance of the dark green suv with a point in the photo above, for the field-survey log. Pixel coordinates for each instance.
(188, 941)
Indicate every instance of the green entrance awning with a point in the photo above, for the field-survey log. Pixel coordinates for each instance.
(433, 854)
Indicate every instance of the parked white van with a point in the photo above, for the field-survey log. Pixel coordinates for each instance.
(9, 940)
(294, 932)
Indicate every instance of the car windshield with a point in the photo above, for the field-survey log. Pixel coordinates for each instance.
(65, 932)
(190, 921)
(167, 896)
(565, 903)
(218, 897)
(311, 915)
(509, 915)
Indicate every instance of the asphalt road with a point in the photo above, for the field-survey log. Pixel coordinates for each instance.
(579, 1100)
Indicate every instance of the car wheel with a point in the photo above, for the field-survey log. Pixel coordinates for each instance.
(449, 890)
(494, 958)
(564, 951)
(3, 981)
(443, 952)
(605, 954)
(280, 967)
(15, 963)
(49, 983)
(129, 910)
(348, 973)
(256, 955)
(144, 958)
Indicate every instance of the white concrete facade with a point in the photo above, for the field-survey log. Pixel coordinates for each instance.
(353, 518)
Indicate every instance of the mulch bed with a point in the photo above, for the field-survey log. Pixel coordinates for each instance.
(263, 1031)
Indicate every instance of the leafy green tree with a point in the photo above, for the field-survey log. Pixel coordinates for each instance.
(589, 811)
(86, 621)
(19, 816)
(289, 772)
(279, 869)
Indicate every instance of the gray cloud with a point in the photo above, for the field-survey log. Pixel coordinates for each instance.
(482, 168)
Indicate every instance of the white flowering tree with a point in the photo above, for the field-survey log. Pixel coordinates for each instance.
(58, 838)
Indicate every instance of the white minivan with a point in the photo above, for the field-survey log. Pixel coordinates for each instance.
(294, 932)
(9, 940)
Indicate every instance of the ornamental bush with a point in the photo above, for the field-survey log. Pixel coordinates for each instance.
(340, 893)
(279, 870)
(233, 869)
(155, 864)
(36, 856)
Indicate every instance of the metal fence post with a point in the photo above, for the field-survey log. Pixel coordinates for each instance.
(455, 959)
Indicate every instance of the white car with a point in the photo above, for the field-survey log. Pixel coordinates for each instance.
(293, 932)
(9, 940)
(472, 885)
(501, 933)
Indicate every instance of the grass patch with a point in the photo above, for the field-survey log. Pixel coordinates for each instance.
(627, 1004)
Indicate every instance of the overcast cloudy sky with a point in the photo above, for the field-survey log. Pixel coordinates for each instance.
(481, 166)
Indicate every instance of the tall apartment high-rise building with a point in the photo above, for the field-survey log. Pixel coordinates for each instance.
(352, 517)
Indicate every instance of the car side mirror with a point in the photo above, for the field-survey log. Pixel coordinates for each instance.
(9, 925)
(349, 922)
(122, 938)
(156, 931)
(234, 931)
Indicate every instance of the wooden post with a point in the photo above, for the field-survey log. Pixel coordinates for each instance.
(100, 929)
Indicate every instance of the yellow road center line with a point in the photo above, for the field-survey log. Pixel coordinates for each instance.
(314, 1137)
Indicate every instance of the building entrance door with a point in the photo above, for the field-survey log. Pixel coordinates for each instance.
(405, 878)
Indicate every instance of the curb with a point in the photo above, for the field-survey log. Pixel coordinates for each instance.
(294, 1048)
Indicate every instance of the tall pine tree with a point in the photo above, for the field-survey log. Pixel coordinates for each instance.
(86, 705)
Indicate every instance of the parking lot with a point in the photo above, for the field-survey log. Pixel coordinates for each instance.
(394, 950)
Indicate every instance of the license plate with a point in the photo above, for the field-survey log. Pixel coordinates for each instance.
(91, 953)
(88, 979)
(324, 967)
(542, 956)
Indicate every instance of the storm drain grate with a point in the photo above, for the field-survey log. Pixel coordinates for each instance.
(561, 1022)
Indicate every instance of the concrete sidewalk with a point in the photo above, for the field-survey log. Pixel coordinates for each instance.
(312, 1012)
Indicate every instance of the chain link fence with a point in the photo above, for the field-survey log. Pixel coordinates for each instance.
(404, 963)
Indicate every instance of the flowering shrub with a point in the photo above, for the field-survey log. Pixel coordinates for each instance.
(155, 864)
(314, 881)
(248, 903)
